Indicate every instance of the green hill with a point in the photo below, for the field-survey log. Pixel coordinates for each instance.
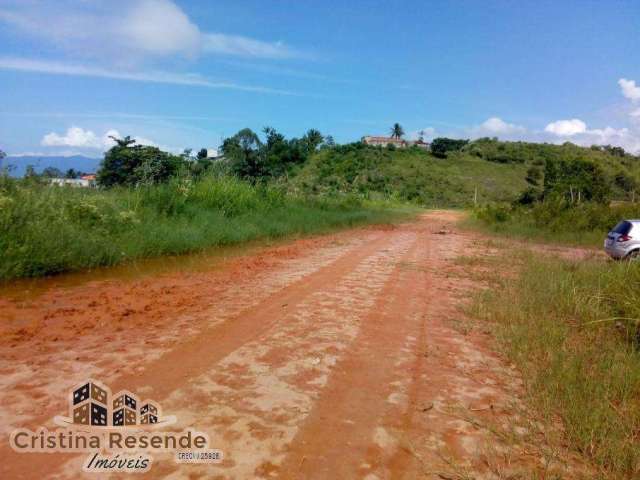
(498, 170)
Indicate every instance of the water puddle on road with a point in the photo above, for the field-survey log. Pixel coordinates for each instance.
(27, 290)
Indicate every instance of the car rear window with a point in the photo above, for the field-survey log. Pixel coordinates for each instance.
(622, 228)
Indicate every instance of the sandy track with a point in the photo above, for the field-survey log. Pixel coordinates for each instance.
(326, 358)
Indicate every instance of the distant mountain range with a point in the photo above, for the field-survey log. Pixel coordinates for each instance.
(40, 162)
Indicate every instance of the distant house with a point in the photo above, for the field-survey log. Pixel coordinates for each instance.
(420, 144)
(398, 142)
(85, 181)
(383, 141)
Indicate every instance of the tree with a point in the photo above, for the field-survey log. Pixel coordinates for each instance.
(329, 142)
(52, 172)
(202, 153)
(396, 131)
(128, 164)
(276, 153)
(575, 180)
(625, 181)
(280, 154)
(440, 146)
(243, 152)
(30, 172)
(615, 151)
(71, 173)
(254, 160)
(313, 138)
(123, 142)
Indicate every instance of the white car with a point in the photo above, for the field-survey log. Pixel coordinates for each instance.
(623, 241)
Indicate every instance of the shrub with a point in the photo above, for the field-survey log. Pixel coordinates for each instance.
(494, 213)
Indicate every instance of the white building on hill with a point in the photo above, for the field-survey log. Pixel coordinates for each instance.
(398, 142)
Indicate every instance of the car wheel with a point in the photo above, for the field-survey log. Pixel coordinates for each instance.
(633, 255)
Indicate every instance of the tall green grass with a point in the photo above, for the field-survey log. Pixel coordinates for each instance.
(554, 220)
(572, 329)
(47, 230)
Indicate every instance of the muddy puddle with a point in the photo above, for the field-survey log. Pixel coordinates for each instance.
(26, 291)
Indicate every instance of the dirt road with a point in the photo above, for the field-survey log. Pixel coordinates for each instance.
(333, 357)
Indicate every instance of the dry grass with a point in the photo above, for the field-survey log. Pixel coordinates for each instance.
(571, 329)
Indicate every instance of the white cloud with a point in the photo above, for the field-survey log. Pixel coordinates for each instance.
(57, 153)
(78, 137)
(246, 47)
(160, 27)
(566, 128)
(496, 126)
(75, 137)
(137, 27)
(427, 133)
(187, 79)
(629, 89)
(578, 132)
(622, 137)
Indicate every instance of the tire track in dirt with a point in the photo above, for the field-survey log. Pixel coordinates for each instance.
(253, 399)
(197, 353)
(31, 382)
(351, 431)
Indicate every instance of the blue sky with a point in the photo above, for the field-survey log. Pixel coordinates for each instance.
(182, 74)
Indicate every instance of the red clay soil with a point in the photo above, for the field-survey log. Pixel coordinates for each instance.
(332, 357)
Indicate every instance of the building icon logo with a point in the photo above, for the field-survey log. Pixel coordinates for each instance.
(120, 433)
(91, 404)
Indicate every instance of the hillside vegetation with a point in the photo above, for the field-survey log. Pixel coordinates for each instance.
(497, 171)
(152, 202)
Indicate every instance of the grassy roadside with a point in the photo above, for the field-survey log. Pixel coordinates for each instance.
(571, 329)
(522, 229)
(553, 221)
(51, 230)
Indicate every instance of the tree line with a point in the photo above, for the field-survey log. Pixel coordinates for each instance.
(245, 155)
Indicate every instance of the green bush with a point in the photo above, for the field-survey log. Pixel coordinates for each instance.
(494, 213)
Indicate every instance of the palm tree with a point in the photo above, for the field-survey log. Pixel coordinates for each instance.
(314, 138)
(396, 131)
(123, 142)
